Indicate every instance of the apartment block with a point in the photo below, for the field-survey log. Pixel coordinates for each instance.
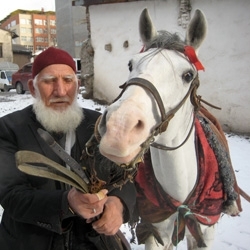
(35, 30)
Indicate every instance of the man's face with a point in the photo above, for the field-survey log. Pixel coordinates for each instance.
(58, 86)
(55, 91)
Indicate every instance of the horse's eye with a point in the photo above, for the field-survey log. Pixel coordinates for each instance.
(130, 66)
(188, 76)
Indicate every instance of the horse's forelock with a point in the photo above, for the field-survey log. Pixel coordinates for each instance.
(167, 40)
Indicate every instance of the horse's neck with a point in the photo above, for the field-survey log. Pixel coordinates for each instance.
(176, 170)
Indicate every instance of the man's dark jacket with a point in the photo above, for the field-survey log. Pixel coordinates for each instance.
(35, 208)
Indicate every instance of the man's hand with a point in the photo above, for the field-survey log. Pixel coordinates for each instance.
(87, 205)
(112, 217)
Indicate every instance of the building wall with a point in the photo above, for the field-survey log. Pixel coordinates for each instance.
(71, 27)
(225, 52)
(5, 42)
(21, 59)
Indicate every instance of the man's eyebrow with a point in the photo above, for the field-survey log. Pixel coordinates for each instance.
(68, 76)
(49, 77)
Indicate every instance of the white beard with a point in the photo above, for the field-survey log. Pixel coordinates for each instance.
(58, 121)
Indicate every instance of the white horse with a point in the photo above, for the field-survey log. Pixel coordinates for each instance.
(155, 108)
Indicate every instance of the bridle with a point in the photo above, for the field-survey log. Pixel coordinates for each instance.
(165, 117)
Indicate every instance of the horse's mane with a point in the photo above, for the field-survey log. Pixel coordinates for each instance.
(167, 40)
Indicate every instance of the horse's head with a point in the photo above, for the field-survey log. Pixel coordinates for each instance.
(158, 88)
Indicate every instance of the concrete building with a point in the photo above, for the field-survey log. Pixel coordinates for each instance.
(71, 27)
(36, 30)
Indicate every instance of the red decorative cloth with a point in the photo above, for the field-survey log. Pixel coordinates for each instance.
(205, 202)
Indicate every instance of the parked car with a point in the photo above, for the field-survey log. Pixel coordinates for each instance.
(6, 80)
(21, 77)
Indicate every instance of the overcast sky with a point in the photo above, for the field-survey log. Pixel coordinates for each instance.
(7, 6)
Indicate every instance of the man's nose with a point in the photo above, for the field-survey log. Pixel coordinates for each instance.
(59, 88)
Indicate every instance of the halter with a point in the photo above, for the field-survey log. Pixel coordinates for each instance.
(165, 117)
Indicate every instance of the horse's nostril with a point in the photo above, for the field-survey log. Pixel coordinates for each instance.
(139, 125)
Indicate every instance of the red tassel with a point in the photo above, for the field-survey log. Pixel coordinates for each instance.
(190, 53)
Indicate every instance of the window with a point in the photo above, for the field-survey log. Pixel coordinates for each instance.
(25, 21)
(52, 22)
(38, 22)
(29, 39)
(39, 31)
(23, 30)
(40, 48)
(39, 39)
(26, 30)
(13, 23)
(29, 30)
(24, 38)
(52, 31)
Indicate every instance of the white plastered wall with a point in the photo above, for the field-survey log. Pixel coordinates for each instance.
(225, 53)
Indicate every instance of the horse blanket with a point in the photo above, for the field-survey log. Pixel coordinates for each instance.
(216, 187)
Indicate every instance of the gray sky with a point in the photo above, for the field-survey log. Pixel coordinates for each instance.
(7, 6)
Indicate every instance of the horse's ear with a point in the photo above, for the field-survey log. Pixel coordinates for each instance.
(146, 27)
(197, 30)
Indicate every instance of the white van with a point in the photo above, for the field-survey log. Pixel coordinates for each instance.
(6, 80)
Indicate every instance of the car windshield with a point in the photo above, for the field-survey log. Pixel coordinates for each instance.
(9, 74)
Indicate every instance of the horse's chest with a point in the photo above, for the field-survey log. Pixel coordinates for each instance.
(176, 171)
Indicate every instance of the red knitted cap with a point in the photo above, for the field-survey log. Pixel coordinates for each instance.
(51, 56)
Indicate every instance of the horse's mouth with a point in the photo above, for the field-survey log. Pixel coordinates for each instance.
(120, 159)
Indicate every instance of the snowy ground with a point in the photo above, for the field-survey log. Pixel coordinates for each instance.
(233, 233)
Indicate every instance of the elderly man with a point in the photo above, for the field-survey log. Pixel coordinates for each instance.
(39, 213)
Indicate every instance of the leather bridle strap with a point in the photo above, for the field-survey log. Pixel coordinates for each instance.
(165, 117)
(145, 84)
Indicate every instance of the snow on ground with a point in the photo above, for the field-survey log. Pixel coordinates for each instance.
(233, 233)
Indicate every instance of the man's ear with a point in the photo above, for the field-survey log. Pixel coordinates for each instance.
(31, 88)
